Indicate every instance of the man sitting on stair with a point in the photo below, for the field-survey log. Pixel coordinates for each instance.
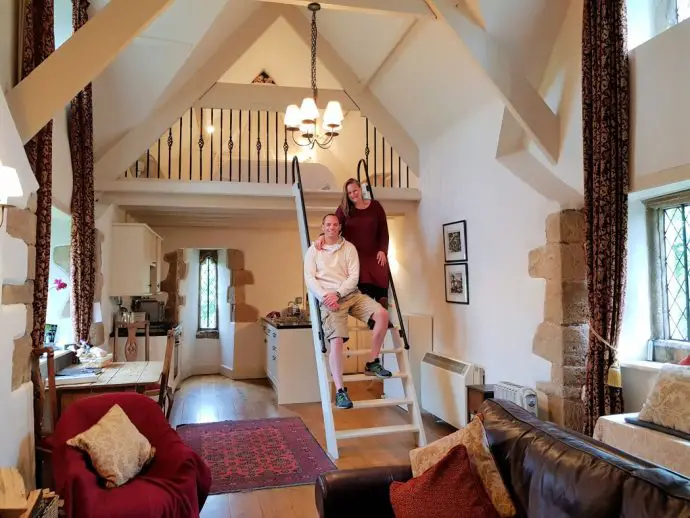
(332, 274)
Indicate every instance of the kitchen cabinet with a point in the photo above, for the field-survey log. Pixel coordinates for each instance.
(291, 364)
(136, 260)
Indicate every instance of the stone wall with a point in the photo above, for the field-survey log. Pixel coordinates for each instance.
(21, 224)
(239, 278)
(562, 337)
(177, 271)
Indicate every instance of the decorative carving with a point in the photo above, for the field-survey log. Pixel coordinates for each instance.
(263, 78)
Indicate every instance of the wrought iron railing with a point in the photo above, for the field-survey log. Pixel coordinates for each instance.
(252, 146)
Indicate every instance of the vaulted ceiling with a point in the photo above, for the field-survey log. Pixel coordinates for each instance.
(416, 67)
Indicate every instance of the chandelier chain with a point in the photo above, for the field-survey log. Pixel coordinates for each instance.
(314, 35)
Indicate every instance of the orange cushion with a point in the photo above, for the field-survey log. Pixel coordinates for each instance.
(449, 489)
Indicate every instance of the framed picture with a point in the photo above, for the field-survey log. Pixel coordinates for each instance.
(455, 241)
(457, 283)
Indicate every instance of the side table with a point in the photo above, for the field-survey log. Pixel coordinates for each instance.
(476, 395)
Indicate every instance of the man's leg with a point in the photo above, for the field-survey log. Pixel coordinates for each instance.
(365, 308)
(335, 331)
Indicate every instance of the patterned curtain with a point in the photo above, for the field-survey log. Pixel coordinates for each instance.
(83, 243)
(605, 128)
(38, 42)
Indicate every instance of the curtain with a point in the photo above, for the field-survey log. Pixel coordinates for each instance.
(605, 128)
(37, 43)
(83, 233)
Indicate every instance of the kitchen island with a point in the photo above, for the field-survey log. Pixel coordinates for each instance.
(290, 360)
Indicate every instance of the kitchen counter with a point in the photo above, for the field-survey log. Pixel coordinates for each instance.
(157, 329)
(287, 323)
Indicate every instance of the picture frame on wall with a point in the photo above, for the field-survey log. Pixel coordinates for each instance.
(455, 241)
(457, 283)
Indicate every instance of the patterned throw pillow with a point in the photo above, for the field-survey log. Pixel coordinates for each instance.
(473, 437)
(668, 403)
(450, 489)
(118, 451)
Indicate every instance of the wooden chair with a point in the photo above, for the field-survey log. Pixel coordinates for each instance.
(44, 443)
(166, 395)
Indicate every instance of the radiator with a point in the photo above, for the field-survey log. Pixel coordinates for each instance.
(444, 387)
(518, 394)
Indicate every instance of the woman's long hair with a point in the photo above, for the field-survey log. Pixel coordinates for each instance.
(346, 204)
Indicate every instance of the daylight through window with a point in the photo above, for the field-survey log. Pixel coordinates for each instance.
(208, 290)
(676, 241)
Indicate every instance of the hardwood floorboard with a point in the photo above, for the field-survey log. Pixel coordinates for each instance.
(204, 399)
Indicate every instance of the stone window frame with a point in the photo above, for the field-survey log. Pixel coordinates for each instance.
(204, 332)
(662, 349)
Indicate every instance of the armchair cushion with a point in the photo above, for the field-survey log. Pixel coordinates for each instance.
(116, 448)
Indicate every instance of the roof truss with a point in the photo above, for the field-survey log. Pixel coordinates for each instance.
(417, 8)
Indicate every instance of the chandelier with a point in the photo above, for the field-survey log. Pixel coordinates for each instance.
(305, 118)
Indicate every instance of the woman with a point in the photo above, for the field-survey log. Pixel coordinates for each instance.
(364, 224)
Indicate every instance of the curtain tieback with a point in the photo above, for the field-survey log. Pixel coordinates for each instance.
(614, 378)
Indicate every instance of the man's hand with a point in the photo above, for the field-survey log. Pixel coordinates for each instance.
(319, 242)
(381, 258)
(330, 300)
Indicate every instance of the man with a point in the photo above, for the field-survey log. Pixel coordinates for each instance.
(332, 274)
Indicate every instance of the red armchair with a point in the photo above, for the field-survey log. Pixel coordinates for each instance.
(174, 485)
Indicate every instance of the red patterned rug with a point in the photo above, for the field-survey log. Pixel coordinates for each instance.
(257, 454)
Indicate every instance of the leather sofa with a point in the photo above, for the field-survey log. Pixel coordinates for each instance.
(549, 471)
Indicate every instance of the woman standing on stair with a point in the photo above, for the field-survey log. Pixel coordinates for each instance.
(364, 224)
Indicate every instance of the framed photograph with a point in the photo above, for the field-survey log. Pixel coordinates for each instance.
(457, 283)
(455, 241)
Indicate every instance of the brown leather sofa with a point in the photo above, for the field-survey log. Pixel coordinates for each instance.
(549, 471)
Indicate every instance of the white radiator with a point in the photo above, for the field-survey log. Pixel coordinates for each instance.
(518, 394)
(444, 387)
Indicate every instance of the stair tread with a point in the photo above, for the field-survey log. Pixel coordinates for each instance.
(376, 403)
(362, 352)
(374, 431)
(364, 377)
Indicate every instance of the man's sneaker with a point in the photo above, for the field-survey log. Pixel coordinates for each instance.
(376, 369)
(342, 400)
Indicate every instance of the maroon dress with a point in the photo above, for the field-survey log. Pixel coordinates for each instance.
(367, 229)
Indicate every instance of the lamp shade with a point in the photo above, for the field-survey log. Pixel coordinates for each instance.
(334, 115)
(309, 112)
(292, 117)
(9, 183)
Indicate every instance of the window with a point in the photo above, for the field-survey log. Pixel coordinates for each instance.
(670, 276)
(648, 18)
(208, 294)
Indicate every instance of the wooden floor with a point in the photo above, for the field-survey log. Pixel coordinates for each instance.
(203, 399)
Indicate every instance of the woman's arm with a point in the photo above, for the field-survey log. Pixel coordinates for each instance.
(341, 218)
(382, 234)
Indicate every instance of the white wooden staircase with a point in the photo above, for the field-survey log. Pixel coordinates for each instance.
(393, 344)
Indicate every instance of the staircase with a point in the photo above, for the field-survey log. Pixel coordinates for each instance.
(395, 343)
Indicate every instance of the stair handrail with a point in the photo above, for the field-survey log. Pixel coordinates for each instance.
(297, 178)
(403, 334)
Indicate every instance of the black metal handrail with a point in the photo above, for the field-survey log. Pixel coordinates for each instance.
(403, 334)
(297, 178)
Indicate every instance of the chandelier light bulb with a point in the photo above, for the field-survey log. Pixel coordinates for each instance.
(333, 116)
(210, 129)
(309, 111)
(292, 117)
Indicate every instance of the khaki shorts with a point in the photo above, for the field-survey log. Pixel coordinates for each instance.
(356, 304)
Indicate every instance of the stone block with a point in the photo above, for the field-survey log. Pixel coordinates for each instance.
(236, 295)
(182, 270)
(235, 259)
(561, 345)
(31, 266)
(566, 412)
(29, 319)
(97, 287)
(567, 226)
(564, 262)
(240, 278)
(21, 224)
(566, 302)
(550, 389)
(33, 203)
(245, 313)
(18, 293)
(181, 300)
(21, 361)
(568, 376)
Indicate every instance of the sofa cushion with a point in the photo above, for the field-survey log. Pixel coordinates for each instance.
(118, 451)
(668, 403)
(474, 439)
(449, 489)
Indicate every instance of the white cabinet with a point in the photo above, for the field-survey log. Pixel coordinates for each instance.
(136, 260)
(291, 364)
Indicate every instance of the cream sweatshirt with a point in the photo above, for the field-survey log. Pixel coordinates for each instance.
(334, 268)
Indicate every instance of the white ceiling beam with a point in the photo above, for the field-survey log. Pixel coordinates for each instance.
(398, 49)
(267, 97)
(415, 8)
(369, 105)
(522, 99)
(119, 157)
(55, 82)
